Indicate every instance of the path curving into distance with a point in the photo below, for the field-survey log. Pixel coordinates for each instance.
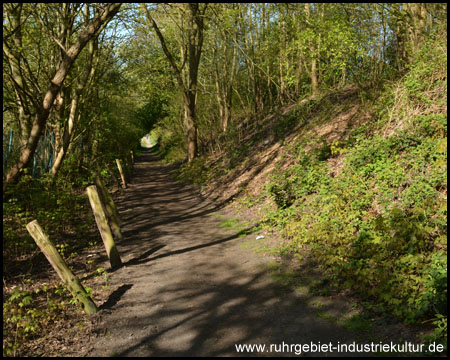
(190, 287)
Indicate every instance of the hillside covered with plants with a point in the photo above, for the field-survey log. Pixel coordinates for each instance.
(354, 178)
(327, 122)
(368, 201)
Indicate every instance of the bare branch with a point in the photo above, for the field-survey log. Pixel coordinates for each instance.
(47, 30)
(172, 62)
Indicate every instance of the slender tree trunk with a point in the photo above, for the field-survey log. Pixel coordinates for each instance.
(190, 126)
(314, 80)
(187, 81)
(66, 137)
(53, 89)
(282, 55)
(219, 92)
(20, 85)
(74, 106)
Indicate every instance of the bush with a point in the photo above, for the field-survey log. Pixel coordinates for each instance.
(379, 226)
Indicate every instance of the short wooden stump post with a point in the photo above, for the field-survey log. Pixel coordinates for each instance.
(122, 175)
(103, 227)
(110, 207)
(60, 266)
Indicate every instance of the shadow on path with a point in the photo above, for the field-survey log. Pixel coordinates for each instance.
(189, 288)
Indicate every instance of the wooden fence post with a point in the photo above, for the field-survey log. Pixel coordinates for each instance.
(110, 207)
(103, 227)
(60, 266)
(113, 175)
(122, 175)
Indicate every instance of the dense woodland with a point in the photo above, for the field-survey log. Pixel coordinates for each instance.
(83, 83)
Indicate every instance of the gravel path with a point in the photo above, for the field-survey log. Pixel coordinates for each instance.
(189, 287)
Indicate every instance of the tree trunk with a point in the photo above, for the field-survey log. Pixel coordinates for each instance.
(187, 83)
(13, 58)
(189, 125)
(67, 136)
(53, 89)
(282, 55)
(219, 86)
(314, 81)
(74, 106)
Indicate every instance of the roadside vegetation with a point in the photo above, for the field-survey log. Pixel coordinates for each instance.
(370, 207)
(328, 121)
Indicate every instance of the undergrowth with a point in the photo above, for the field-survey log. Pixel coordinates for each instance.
(32, 300)
(378, 225)
(28, 314)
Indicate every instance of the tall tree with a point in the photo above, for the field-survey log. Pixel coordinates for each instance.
(224, 58)
(313, 52)
(191, 37)
(69, 114)
(16, 57)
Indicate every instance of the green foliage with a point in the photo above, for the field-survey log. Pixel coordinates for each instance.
(300, 180)
(151, 112)
(324, 151)
(193, 172)
(57, 205)
(358, 322)
(26, 314)
(396, 251)
(439, 335)
(379, 226)
(119, 133)
(338, 148)
(434, 299)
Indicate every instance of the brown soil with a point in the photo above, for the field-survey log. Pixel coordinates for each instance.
(192, 287)
(268, 151)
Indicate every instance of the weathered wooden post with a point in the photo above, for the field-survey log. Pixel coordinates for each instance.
(122, 175)
(103, 227)
(60, 266)
(110, 207)
(113, 175)
(108, 198)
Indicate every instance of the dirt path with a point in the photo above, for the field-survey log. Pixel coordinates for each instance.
(190, 288)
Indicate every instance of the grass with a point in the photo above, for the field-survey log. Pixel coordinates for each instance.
(357, 322)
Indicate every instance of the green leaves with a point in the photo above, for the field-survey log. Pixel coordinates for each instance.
(379, 225)
(26, 314)
(151, 112)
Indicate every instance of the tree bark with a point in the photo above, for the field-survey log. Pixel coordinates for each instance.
(187, 83)
(189, 125)
(54, 87)
(68, 130)
(314, 80)
(13, 58)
